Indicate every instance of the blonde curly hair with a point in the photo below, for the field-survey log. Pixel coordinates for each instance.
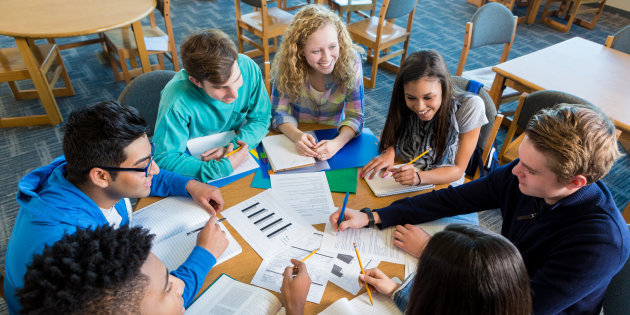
(290, 70)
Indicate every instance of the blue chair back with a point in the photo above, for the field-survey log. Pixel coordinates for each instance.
(493, 24)
(545, 99)
(491, 110)
(143, 93)
(398, 8)
(622, 40)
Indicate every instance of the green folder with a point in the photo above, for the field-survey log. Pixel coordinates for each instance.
(343, 180)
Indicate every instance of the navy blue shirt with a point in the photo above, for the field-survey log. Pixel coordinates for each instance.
(571, 249)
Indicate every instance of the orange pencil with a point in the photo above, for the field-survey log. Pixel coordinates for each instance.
(419, 156)
(367, 286)
(233, 152)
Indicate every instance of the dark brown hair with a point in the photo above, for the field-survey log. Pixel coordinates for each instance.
(209, 55)
(420, 64)
(468, 270)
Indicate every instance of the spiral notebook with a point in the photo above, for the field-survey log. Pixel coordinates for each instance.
(387, 186)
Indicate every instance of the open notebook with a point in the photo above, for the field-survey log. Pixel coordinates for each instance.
(360, 305)
(172, 220)
(388, 186)
(283, 155)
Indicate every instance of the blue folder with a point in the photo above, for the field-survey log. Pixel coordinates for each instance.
(356, 153)
(232, 178)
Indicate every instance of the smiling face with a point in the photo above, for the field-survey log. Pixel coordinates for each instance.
(321, 49)
(134, 184)
(226, 92)
(163, 294)
(423, 97)
(535, 178)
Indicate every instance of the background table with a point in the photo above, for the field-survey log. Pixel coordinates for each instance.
(34, 19)
(243, 267)
(577, 66)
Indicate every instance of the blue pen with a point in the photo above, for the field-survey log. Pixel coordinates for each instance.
(343, 208)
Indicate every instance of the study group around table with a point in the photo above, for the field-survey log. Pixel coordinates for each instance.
(72, 249)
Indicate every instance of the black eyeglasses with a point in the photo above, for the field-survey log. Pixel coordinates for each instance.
(146, 169)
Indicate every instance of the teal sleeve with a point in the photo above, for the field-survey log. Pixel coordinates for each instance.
(258, 110)
(171, 137)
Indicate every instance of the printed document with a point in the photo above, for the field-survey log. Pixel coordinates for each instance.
(373, 243)
(267, 224)
(307, 194)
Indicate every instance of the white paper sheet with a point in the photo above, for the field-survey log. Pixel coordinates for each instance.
(270, 272)
(308, 194)
(346, 270)
(373, 243)
(266, 224)
(200, 145)
(360, 305)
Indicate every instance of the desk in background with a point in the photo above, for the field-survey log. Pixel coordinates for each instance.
(35, 19)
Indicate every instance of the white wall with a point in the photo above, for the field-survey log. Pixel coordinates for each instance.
(620, 4)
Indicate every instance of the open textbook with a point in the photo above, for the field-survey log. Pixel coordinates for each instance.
(174, 220)
(228, 296)
(388, 186)
(283, 155)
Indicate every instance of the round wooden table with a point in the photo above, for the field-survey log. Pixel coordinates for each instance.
(33, 19)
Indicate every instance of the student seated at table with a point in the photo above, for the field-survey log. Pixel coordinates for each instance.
(218, 90)
(464, 269)
(108, 158)
(425, 112)
(555, 209)
(108, 270)
(317, 78)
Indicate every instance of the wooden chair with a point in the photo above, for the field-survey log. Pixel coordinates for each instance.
(570, 9)
(51, 68)
(620, 40)
(380, 33)
(528, 106)
(349, 6)
(492, 24)
(120, 45)
(266, 23)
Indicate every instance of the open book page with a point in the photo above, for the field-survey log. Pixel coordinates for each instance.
(341, 306)
(388, 186)
(269, 274)
(171, 220)
(283, 155)
(175, 250)
(307, 194)
(170, 216)
(360, 305)
(267, 224)
(200, 145)
(228, 296)
(371, 243)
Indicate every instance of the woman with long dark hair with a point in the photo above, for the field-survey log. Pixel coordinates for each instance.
(464, 269)
(425, 112)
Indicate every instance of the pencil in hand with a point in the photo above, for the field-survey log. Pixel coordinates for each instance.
(367, 286)
(233, 152)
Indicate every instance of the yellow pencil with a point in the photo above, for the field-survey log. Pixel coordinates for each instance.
(367, 286)
(419, 156)
(233, 151)
(309, 255)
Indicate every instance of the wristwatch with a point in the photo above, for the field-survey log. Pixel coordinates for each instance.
(370, 215)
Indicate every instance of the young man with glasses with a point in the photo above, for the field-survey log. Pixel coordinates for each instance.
(108, 158)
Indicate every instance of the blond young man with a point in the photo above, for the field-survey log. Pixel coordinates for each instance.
(555, 209)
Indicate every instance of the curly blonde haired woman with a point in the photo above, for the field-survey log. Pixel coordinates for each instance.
(317, 78)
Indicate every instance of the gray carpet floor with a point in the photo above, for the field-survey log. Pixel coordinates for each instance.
(438, 24)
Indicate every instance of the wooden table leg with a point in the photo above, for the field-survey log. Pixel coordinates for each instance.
(532, 11)
(41, 85)
(142, 50)
(497, 90)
